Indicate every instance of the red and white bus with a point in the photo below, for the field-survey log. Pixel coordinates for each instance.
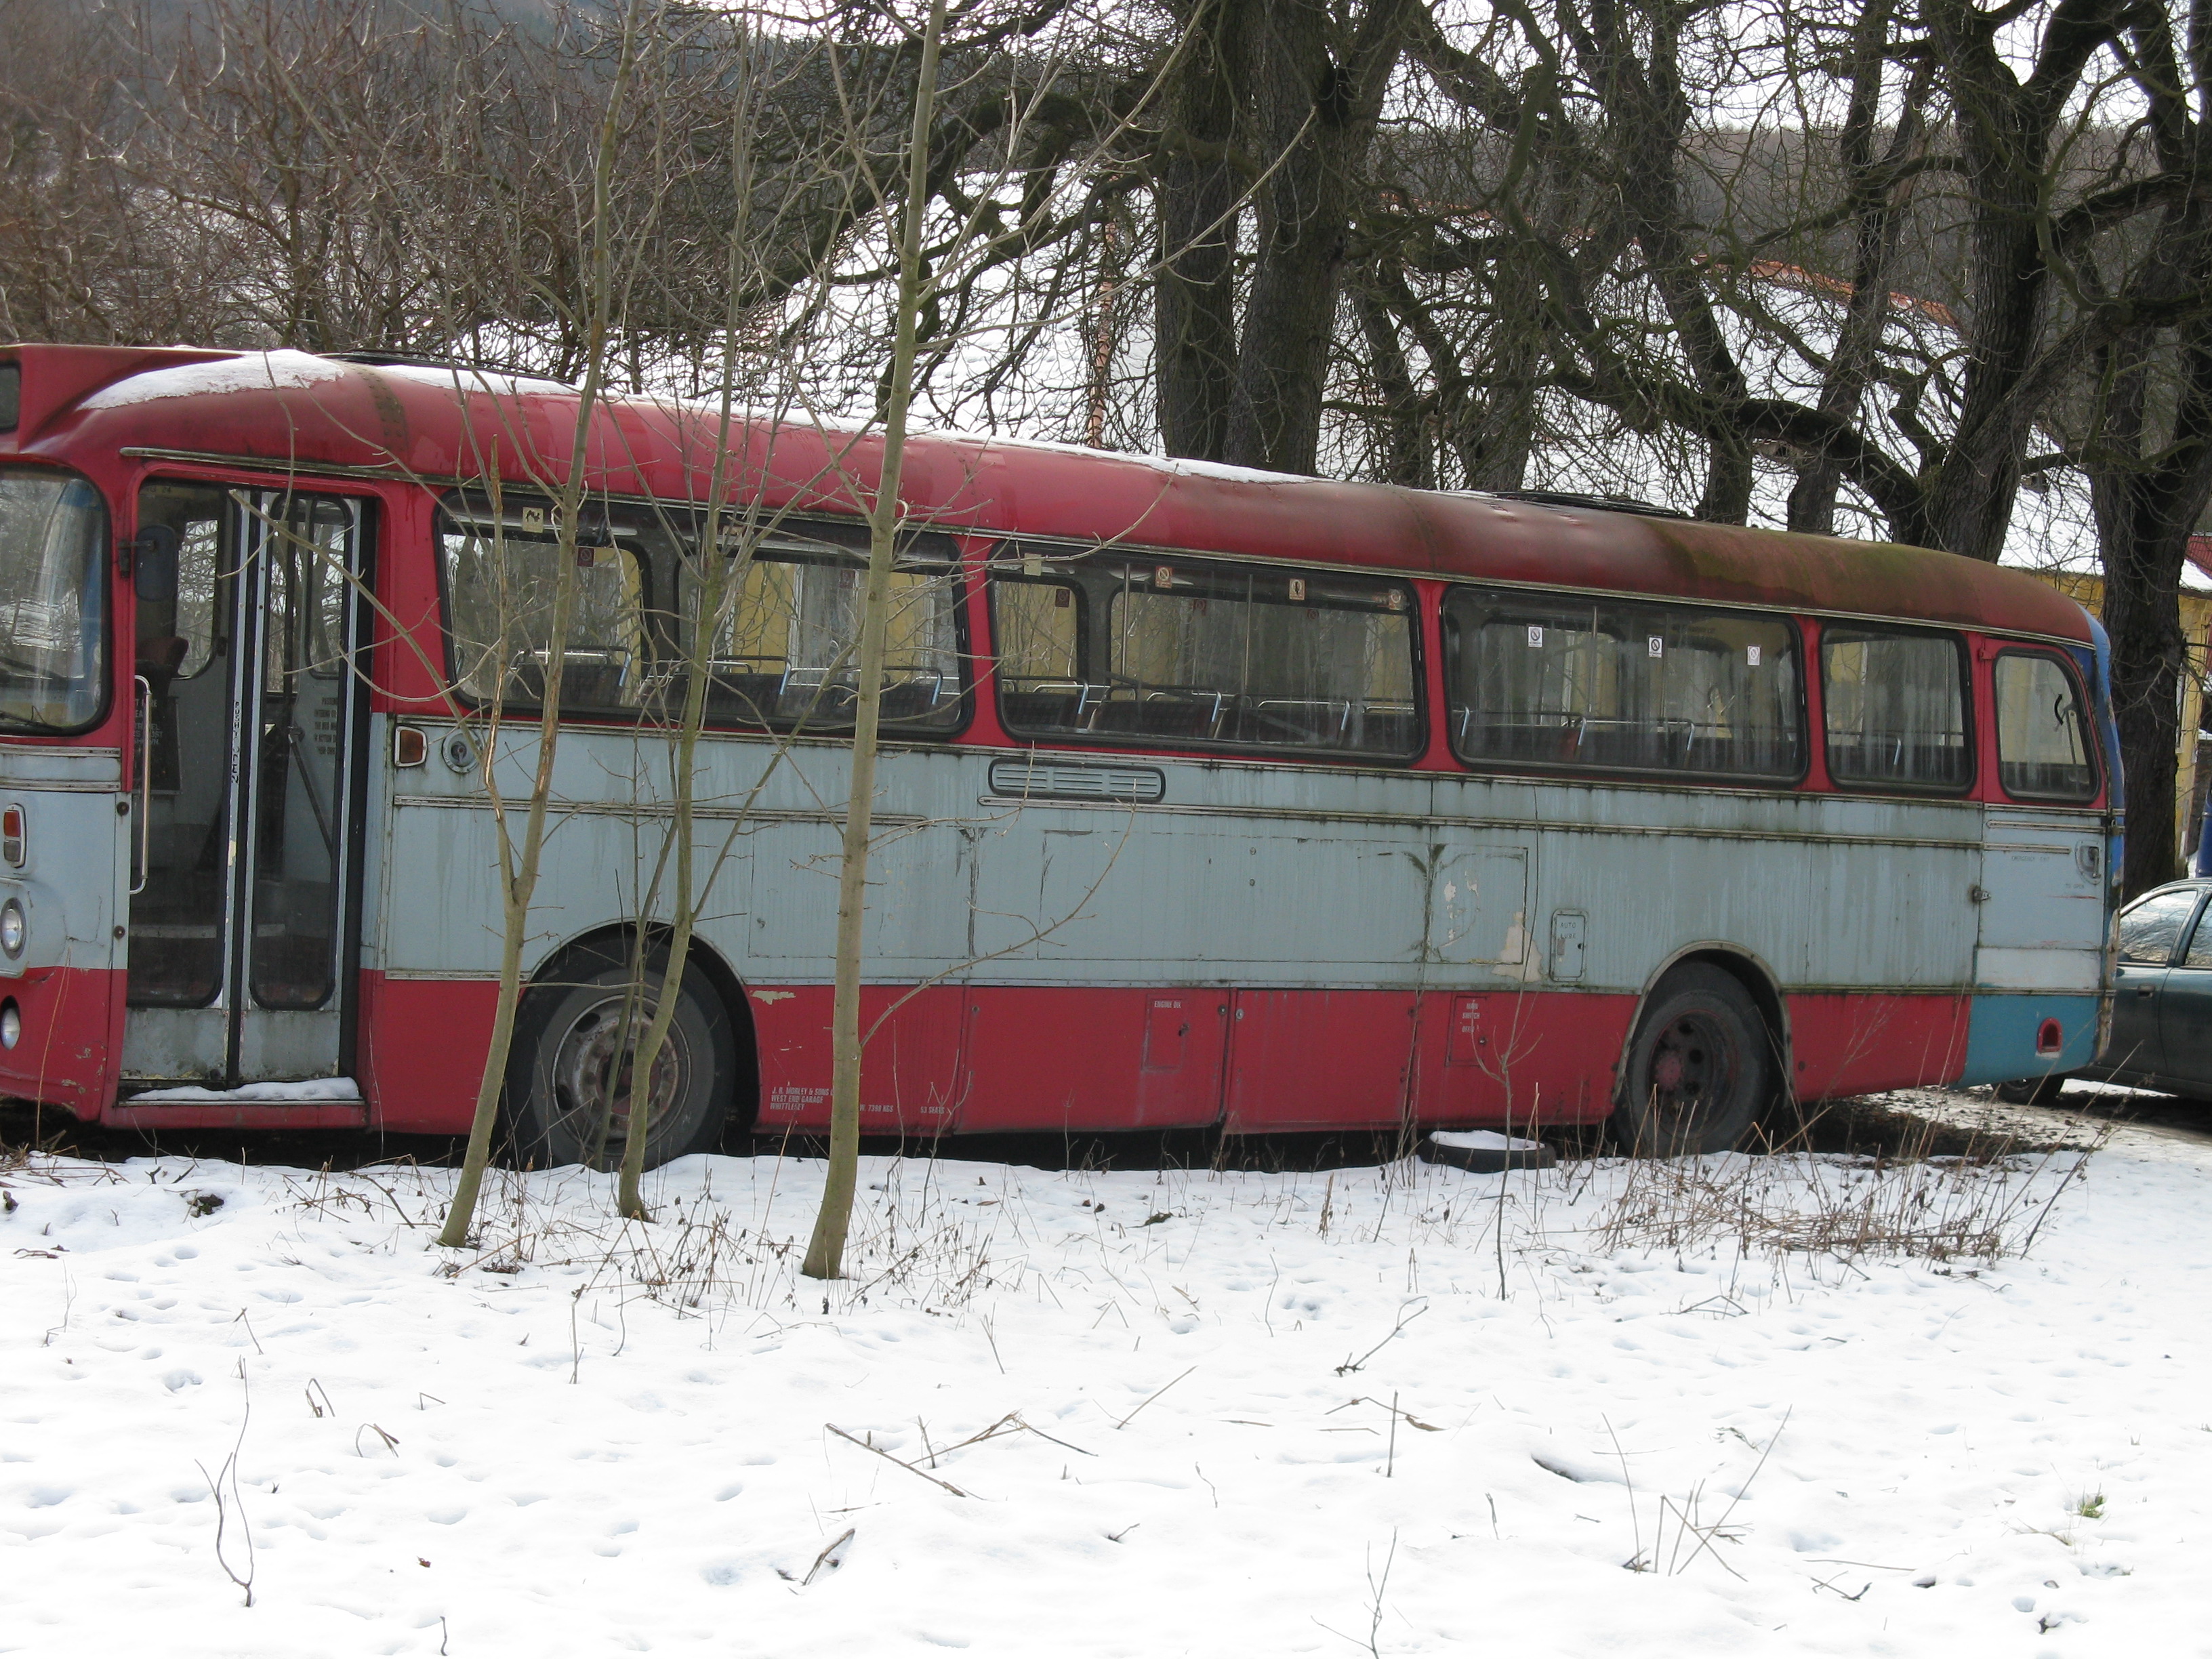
(1210, 797)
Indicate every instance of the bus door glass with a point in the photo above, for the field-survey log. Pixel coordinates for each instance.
(240, 967)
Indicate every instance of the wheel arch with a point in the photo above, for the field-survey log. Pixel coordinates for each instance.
(619, 938)
(1760, 983)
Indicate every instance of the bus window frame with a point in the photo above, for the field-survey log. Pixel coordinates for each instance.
(1969, 708)
(1762, 782)
(2084, 708)
(954, 567)
(115, 593)
(1004, 560)
(678, 519)
(651, 622)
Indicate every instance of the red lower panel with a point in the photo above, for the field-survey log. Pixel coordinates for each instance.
(1322, 1060)
(421, 1050)
(1521, 1057)
(1848, 1044)
(1349, 1059)
(1115, 1058)
(243, 1114)
(909, 1070)
(66, 1055)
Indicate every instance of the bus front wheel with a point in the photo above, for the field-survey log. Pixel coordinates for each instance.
(1697, 1068)
(570, 1075)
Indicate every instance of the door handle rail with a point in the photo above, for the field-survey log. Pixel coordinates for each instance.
(143, 694)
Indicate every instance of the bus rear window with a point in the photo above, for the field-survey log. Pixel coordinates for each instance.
(53, 577)
(2042, 740)
(1170, 651)
(1545, 680)
(1896, 709)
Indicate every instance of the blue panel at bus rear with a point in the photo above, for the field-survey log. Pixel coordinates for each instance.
(2002, 1031)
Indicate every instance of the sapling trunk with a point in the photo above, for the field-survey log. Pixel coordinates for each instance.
(825, 1251)
(518, 876)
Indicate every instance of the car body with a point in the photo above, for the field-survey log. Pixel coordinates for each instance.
(2162, 1034)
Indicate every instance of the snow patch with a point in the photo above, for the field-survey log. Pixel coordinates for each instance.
(322, 1090)
(253, 371)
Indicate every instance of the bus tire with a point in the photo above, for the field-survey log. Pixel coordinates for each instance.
(2031, 1091)
(1697, 1071)
(564, 1060)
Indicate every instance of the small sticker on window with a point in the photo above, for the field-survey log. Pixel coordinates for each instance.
(1033, 564)
(1535, 637)
(1393, 600)
(1297, 589)
(1751, 655)
(1164, 576)
(533, 520)
(1062, 597)
(1655, 647)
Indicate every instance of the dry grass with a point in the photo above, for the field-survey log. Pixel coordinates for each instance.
(1984, 1201)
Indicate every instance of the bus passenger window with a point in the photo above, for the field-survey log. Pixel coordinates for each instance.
(2043, 744)
(1896, 709)
(502, 582)
(785, 651)
(1164, 650)
(1544, 680)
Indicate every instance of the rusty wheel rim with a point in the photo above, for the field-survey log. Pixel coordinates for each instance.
(591, 1071)
(1692, 1071)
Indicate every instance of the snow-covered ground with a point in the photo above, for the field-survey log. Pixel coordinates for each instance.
(1150, 1415)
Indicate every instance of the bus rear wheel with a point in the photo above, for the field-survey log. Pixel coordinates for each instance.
(570, 1075)
(1697, 1069)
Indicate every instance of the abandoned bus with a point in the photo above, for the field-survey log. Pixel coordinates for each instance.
(1209, 796)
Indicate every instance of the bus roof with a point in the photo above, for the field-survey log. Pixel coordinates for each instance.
(440, 425)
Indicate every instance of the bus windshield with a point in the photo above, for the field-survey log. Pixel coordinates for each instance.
(53, 533)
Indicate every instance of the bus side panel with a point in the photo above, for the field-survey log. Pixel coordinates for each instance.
(1321, 1060)
(909, 1071)
(421, 1051)
(1496, 1058)
(69, 1020)
(1110, 1057)
(1853, 1042)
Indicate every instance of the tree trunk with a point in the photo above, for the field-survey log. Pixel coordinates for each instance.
(1194, 295)
(1317, 101)
(825, 1250)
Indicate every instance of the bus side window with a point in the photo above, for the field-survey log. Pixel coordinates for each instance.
(1037, 626)
(502, 582)
(1168, 650)
(1896, 708)
(2043, 746)
(1540, 679)
(785, 651)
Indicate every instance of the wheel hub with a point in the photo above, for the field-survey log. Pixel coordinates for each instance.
(594, 1065)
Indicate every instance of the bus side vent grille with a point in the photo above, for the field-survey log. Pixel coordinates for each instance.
(1035, 778)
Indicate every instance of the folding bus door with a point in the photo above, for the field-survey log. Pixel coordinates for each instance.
(241, 938)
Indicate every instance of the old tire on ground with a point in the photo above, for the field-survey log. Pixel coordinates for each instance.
(1698, 1066)
(568, 1075)
(2031, 1091)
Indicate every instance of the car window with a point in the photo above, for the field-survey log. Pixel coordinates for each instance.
(2200, 946)
(2151, 929)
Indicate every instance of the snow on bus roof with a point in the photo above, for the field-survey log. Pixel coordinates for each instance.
(251, 371)
(392, 417)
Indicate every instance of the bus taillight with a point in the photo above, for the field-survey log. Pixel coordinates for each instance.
(11, 836)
